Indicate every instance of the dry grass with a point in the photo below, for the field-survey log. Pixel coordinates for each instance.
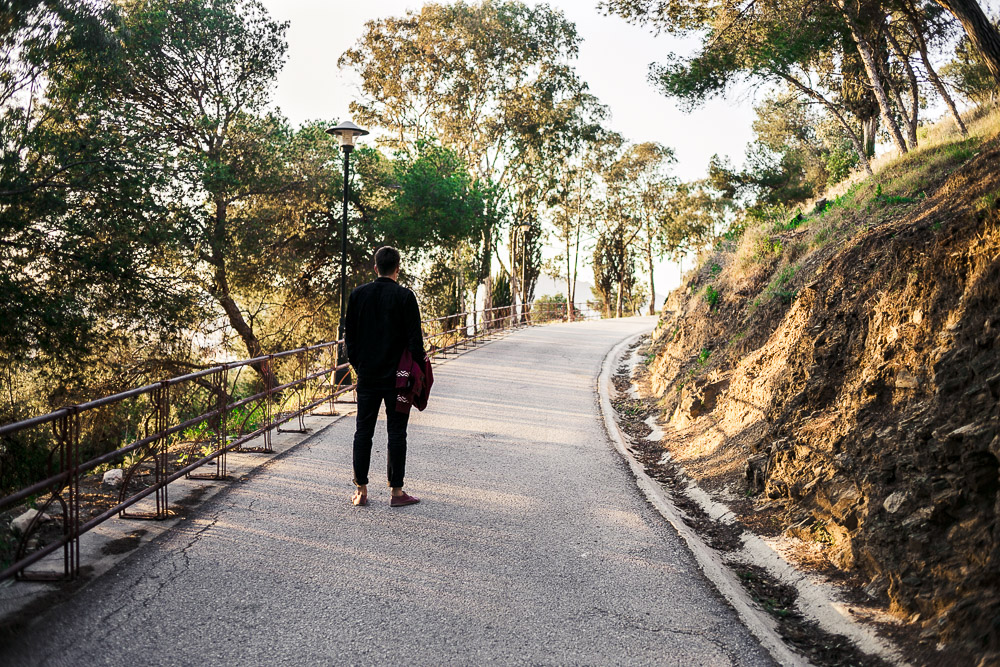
(858, 203)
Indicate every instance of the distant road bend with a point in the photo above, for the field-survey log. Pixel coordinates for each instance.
(532, 545)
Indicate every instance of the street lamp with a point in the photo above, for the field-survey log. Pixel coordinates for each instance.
(525, 228)
(346, 134)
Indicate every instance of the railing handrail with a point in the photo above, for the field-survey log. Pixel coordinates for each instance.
(154, 446)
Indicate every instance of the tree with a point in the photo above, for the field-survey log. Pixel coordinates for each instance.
(81, 230)
(198, 77)
(647, 165)
(775, 42)
(983, 35)
(925, 24)
(614, 269)
(695, 212)
(969, 73)
(490, 80)
(796, 153)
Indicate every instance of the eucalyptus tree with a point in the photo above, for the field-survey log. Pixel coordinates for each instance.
(773, 41)
(984, 35)
(695, 212)
(484, 78)
(634, 183)
(925, 25)
(649, 164)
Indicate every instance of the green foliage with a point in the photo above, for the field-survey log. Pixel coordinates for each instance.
(436, 203)
(703, 356)
(891, 199)
(970, 75)
(790, 224)
(710, 295)
(766, 249)
(502, 295)
(614, 271)
(780, 287)
(840, 160)
(547, 308)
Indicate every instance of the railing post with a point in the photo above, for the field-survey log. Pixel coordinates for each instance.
(67, 433)
(269, 379)
(162, 398)
(157, 454)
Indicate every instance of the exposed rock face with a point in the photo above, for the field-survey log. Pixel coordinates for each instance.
(869, 406)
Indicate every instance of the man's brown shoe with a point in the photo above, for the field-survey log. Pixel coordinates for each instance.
(404, 499)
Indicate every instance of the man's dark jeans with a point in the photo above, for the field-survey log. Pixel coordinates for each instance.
(370, 401)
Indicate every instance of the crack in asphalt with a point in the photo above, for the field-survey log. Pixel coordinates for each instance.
(627, 621)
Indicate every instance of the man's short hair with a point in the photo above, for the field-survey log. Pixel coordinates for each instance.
(386, 260)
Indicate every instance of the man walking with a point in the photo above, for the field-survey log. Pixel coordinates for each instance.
(382, 321)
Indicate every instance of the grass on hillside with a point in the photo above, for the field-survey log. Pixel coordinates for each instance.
(773, 251)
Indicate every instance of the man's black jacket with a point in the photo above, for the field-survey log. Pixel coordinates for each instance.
(382, 320)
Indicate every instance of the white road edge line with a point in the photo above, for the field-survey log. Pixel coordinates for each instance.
(761, 625)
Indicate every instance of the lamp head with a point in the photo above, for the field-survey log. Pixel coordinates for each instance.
(346, 133)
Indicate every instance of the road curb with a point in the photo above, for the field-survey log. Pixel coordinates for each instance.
(725, 582)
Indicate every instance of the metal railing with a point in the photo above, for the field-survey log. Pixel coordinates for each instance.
(163, 431)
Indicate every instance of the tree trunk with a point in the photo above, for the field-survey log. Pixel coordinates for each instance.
(871, 67)
(981, 32)
(913, 117)
(620, 299)
(239, 324)
(649, 258)
(935, 79)
(869, 129)
(576, 268)
(486, 271)
(221, 292)
(898, 99)
(855, 140)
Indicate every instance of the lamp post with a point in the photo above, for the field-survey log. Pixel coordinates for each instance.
(525, 228)
(346, 133)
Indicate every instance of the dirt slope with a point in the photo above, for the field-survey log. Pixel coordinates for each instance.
(837, 376)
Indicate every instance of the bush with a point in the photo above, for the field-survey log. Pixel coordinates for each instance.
(548, 308)
(710, 296)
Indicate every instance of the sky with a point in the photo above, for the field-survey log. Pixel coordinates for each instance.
(614, 61)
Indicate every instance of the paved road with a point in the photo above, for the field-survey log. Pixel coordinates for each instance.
(532, 546)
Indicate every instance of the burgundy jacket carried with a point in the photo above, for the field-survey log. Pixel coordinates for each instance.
(413, 382)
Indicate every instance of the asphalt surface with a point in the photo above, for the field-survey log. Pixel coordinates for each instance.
(532, 545)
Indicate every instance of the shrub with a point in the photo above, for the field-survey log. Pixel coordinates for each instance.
(711, 296)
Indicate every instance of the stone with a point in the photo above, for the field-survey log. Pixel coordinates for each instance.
(917, 317)
(21, 523)
(967, 431)
(113, 477)
(905, 380)
(921, 516)
(755, 472)
(895, 501)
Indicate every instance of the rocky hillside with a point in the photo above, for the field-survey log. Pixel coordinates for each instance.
(836, 374)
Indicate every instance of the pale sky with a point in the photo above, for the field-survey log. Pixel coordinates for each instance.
(614, 60)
